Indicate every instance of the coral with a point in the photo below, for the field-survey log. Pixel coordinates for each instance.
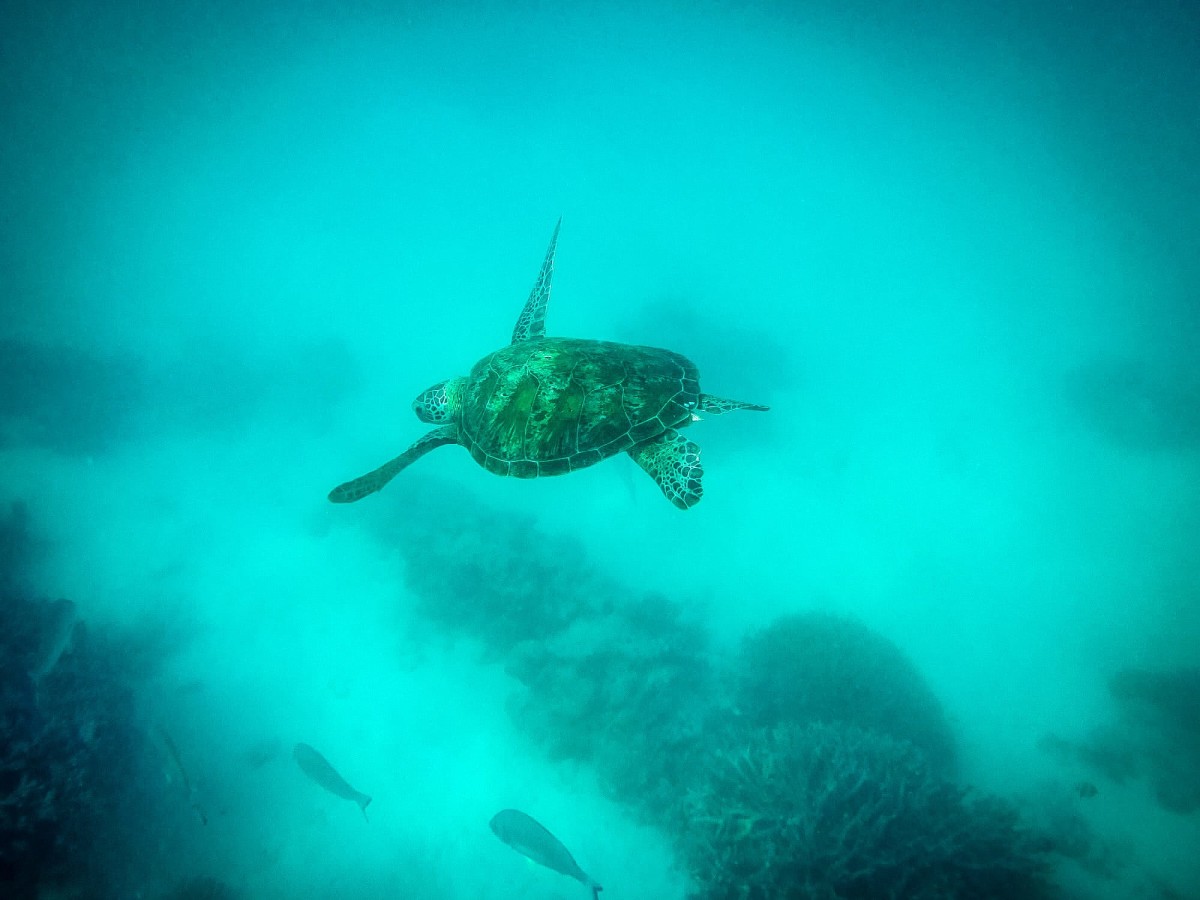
(490, 575)
(818, 667)
(812, 763)
(69, 746)
(618, 680)
(1156, 736)
(836, 811)
(66, 755)
(615, 679)
(628, 692)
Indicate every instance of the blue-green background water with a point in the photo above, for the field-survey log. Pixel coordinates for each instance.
(953, 246)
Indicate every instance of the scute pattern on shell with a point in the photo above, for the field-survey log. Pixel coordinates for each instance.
(555, 405)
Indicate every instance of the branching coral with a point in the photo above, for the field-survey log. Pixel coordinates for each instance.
(490, 576)
(817, 667)
(629, 692)
(821, 811)
(811, 765)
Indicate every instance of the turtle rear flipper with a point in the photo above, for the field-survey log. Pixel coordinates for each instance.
(374, 481)
(674, 463)
(717, 405)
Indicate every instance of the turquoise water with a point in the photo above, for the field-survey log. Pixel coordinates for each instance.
(953, 247)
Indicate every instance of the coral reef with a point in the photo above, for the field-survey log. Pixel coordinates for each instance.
(66, 755)
(1156, 736)
(1162, 712)
(630, 692)
(818, 667)
(492, 576)
(620, 680)
(69, 746)
(837, 811)
(813, 763)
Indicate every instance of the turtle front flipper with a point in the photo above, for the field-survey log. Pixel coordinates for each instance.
(717, 405)
(532, 323)
(374, 481)
(674, 463)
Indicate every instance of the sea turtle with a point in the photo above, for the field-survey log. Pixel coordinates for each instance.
(547, 406)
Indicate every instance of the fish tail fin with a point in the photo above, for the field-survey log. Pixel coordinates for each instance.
(363, 802)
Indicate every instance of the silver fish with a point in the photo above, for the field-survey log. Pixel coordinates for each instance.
(529, 838)
(177, 760)
(56, 640)
(317, 767)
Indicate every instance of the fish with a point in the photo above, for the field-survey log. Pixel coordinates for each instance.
(1086, 789)
(317, 767)
(531, 839)
(260, 754)
(173, 752)
(57, 638)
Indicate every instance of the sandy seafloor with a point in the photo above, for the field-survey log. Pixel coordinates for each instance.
(953, 246)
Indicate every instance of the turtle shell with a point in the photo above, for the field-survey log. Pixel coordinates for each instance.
(554, 405)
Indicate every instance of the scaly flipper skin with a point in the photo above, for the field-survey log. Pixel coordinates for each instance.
(532, 323)
(374, 481)
(718, 405)
(674, 463)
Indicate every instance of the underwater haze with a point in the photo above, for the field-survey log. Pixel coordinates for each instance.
(933, 631)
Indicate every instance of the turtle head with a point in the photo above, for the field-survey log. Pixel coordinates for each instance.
(440, 403)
